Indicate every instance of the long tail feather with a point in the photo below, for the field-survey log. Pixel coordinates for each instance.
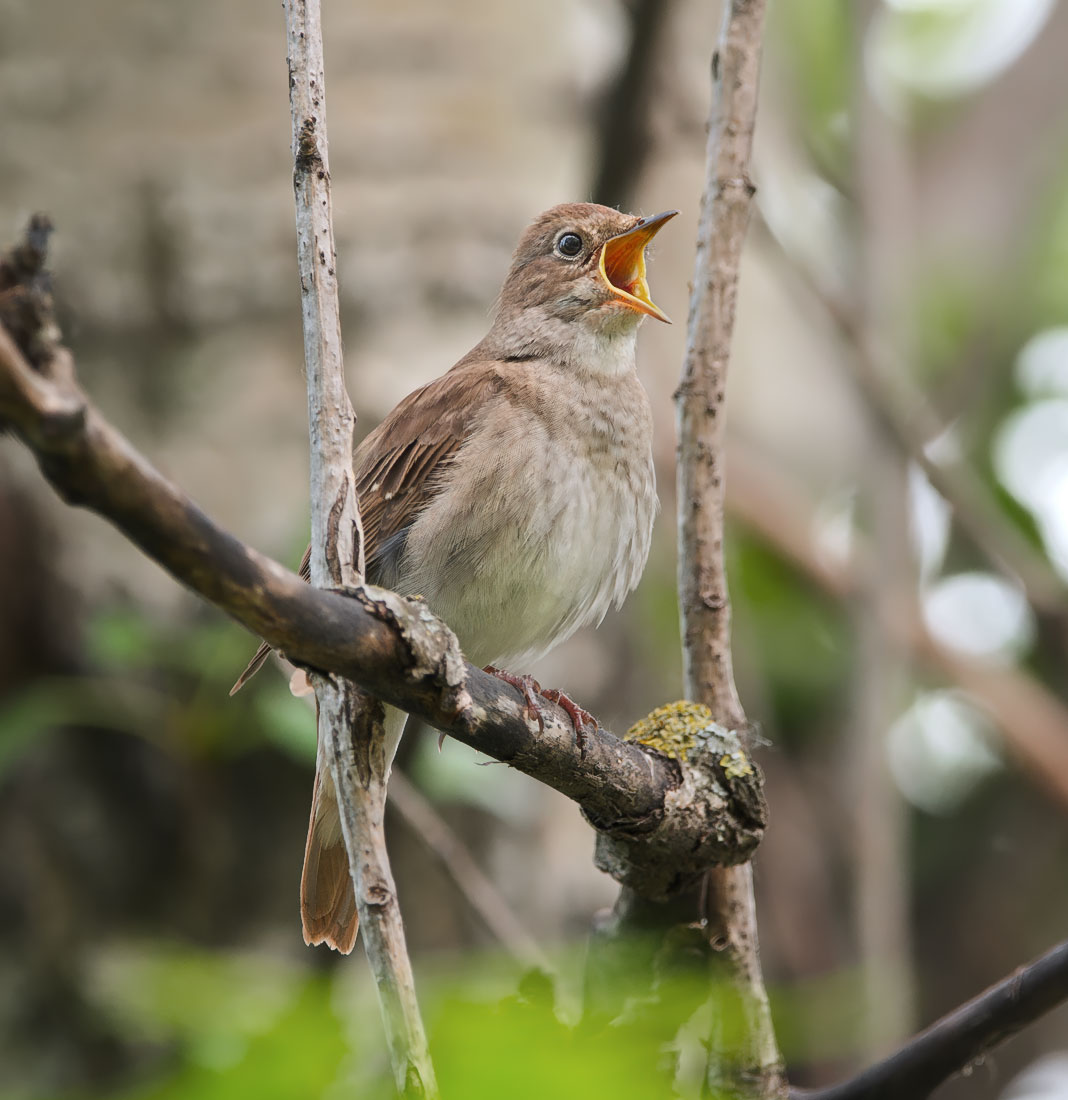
(254, 666)
(327, 899)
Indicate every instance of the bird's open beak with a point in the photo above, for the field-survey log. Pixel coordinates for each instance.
(623, 265)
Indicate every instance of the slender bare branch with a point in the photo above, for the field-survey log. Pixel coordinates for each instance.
(728, 194)
(351, 733)
(954, 1042)
(756, 1070)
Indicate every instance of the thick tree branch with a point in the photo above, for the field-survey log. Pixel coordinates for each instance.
(756, 1069)
(392, 646)
(958, 1039)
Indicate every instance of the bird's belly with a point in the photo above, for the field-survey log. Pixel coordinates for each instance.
(527, 561)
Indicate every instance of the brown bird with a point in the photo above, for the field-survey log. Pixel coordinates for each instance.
(515, 492)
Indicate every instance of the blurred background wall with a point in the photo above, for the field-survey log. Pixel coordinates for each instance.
(898, 475)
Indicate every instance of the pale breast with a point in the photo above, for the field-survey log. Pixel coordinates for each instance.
(544, 519)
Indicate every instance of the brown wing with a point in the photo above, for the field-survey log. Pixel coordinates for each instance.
(395, 466)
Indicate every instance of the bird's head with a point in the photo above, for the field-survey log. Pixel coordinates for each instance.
(577, 280)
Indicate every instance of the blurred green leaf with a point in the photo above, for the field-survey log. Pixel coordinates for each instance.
(946, 304)
(244, 1025)
(1048, 298)
(796, 634)
(813, 38)
(521, 1050)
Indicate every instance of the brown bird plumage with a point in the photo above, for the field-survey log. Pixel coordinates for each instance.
(515, 492)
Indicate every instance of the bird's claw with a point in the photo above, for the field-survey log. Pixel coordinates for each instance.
(581, 720)
(530, 688)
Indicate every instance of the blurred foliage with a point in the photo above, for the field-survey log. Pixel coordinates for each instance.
(815, 38)
(167, 681)
(141, 803)
(236, 1026)
(800, 634)
(225, 1025)
(1045, 300)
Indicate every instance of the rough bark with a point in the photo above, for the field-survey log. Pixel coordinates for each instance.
(755, 1070)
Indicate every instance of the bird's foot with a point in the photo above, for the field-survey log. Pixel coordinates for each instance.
(581, 720)
(530, 688)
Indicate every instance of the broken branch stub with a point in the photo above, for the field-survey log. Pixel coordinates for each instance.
(714, 816)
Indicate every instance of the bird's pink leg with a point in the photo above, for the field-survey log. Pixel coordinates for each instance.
(581, 719)
(530, 688)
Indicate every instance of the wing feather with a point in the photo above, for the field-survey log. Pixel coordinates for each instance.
(398, 466)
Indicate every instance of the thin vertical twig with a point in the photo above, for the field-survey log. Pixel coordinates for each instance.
(350, 721)
(756, 1070)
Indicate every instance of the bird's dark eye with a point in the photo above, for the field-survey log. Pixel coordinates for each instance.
(570, 244)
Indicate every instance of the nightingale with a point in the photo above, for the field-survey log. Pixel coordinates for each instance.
(516, 492)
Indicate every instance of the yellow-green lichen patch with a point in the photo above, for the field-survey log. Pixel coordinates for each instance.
(672, 729)
(735, 765)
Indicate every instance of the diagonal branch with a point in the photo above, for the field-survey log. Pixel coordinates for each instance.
(958, 1039)
(481, 893)
(756, 1069)
(392, 646)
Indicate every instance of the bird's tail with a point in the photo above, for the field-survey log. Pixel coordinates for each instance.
(264, 651)
(327, 899)
(252, 668)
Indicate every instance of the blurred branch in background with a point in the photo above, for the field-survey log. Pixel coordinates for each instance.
(1033, 721)
(624, 116)
(480, 892)
(883, 256)
(884, 380)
